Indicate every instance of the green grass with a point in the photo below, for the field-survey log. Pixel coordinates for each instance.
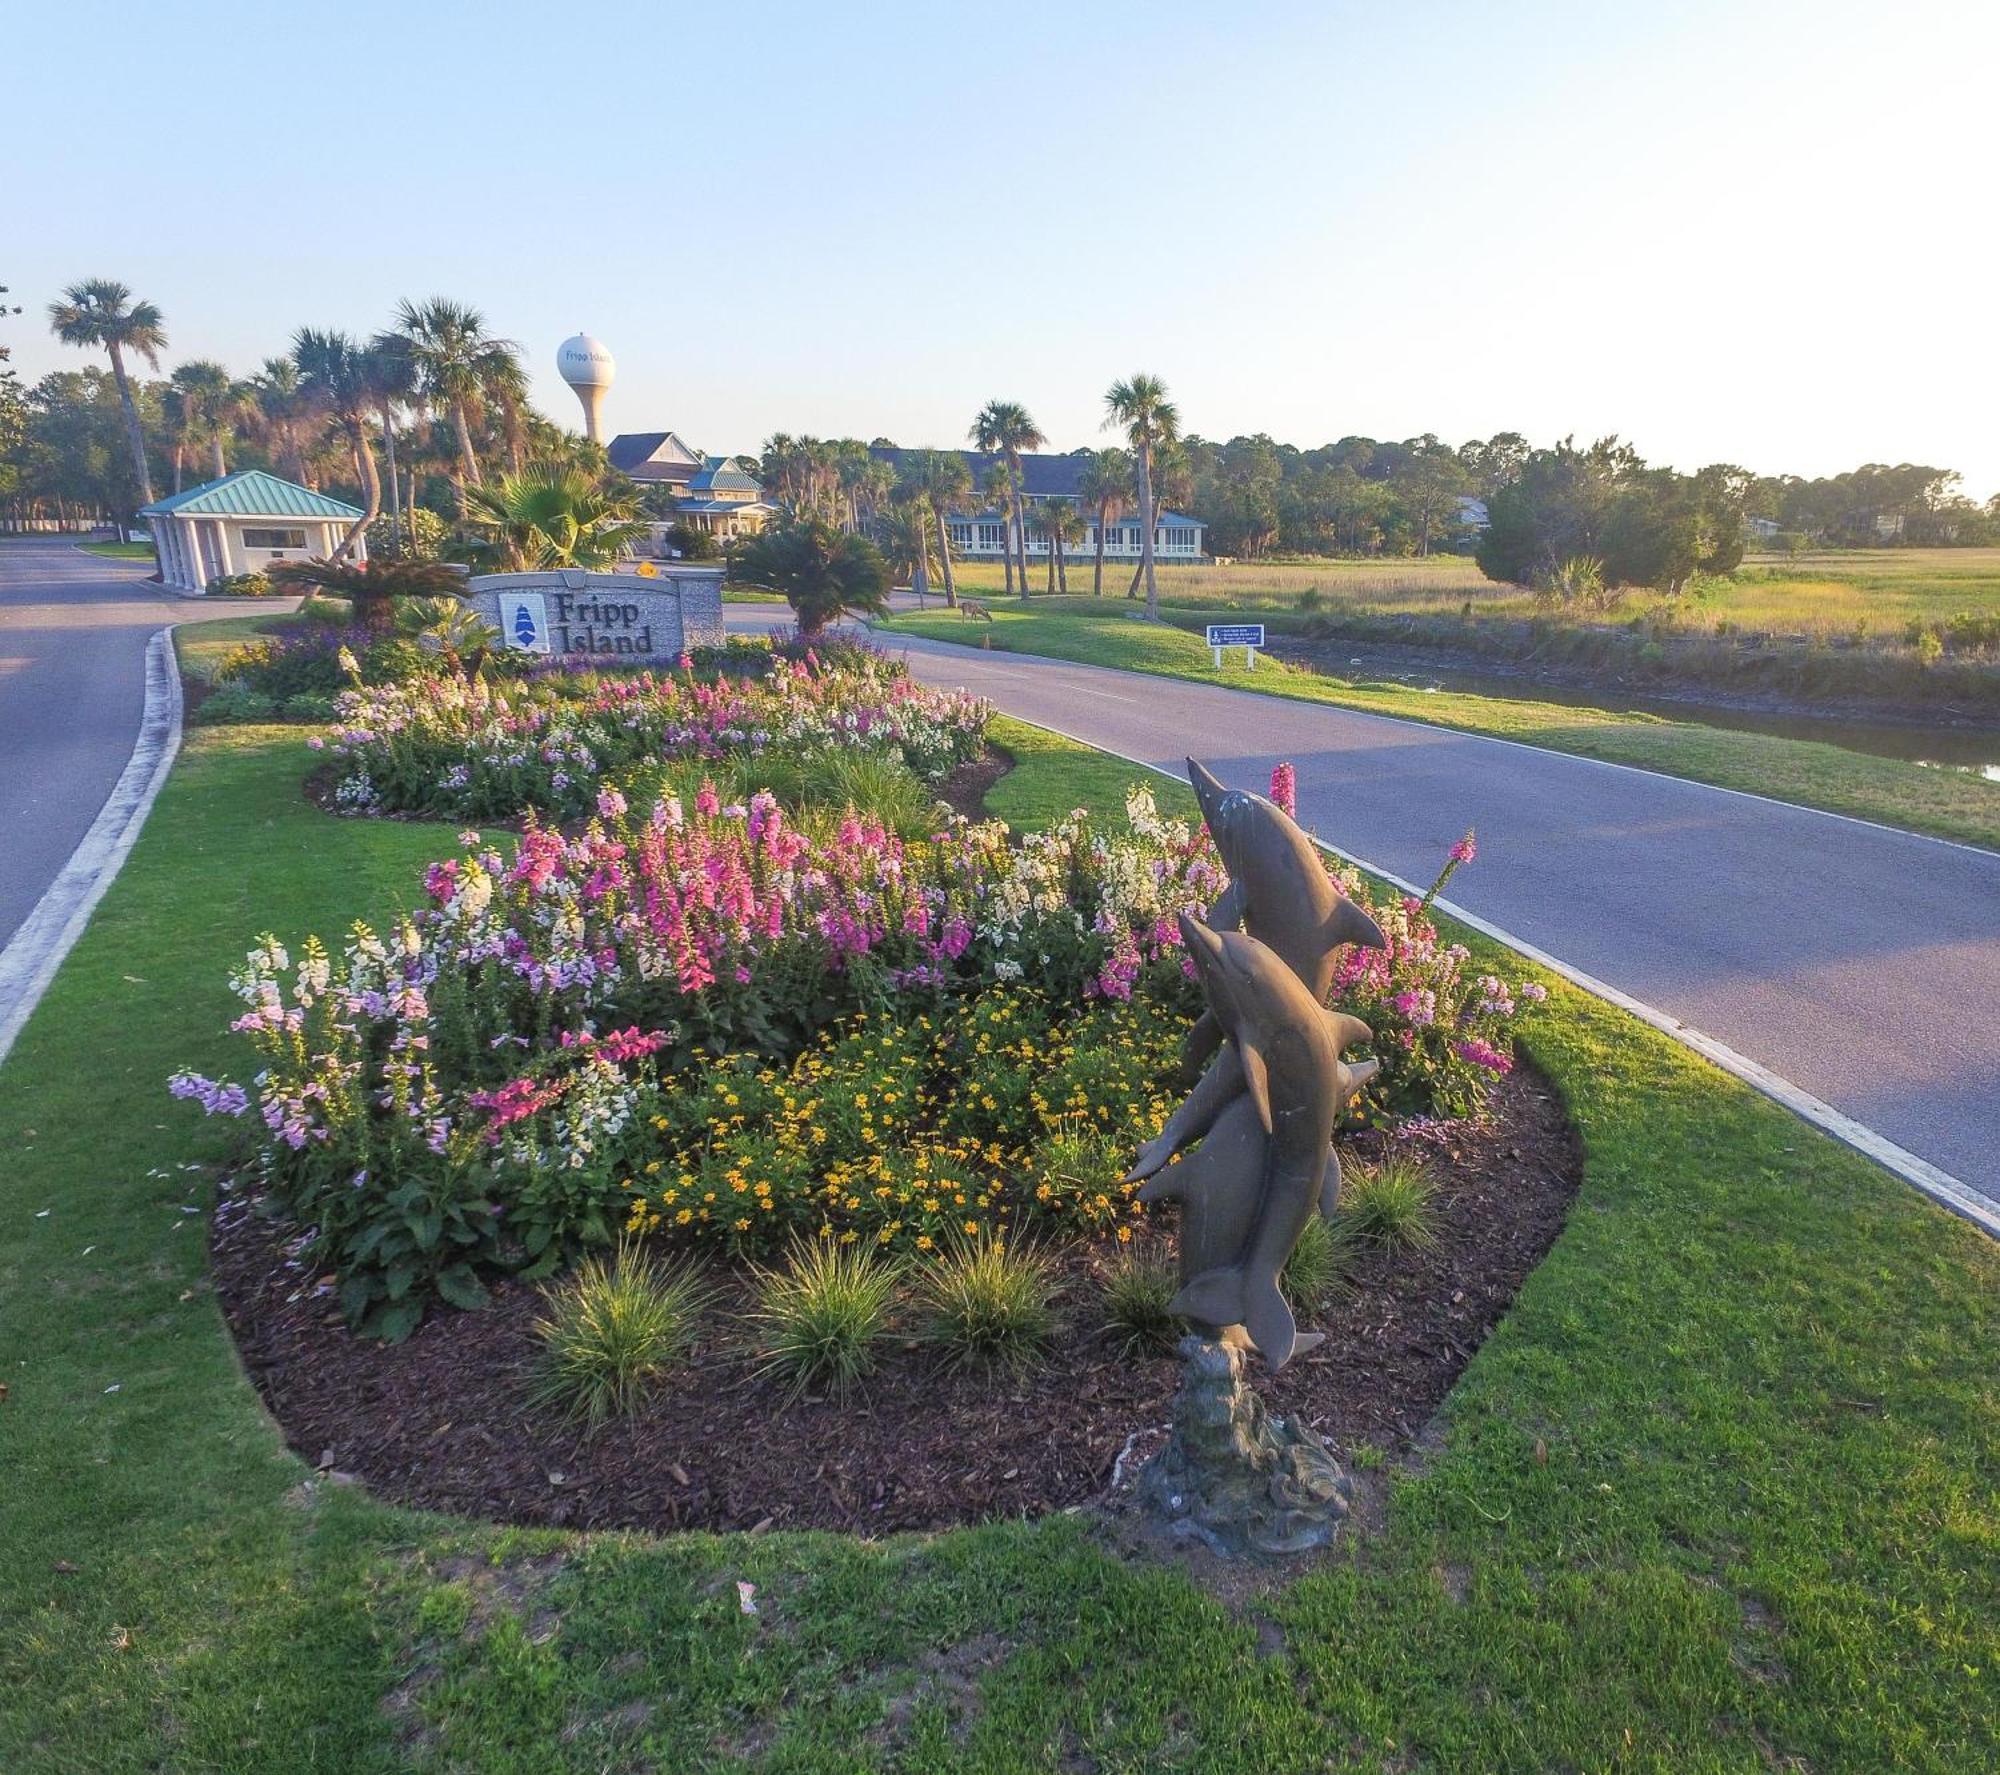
(1822, 592)
(1761, 1534)
(119, 551)
(1945, 803)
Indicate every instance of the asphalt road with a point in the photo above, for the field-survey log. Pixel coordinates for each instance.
(1859, 964)
(73, 634)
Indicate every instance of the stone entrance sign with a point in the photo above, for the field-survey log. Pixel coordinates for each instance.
(603, 617)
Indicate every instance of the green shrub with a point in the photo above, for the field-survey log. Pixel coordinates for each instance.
(229, 703)
(986, 1300)
(317, 607)
(876, 785)
(419, 536)
(613, 1327)
(1137, 1290)
(1316, 1272)
(1390, 1204)
(239, 585)
(820, 1317)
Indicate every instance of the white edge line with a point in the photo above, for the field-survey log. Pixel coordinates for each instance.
(47, 935)
(1943, 1188)
(1465, 733)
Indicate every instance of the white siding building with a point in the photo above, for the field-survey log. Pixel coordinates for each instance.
(241, 524)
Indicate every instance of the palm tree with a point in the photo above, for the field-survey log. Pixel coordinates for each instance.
(1062, 523)
(1005, 426)
(999, 489)
(455, 360)
(1104, 486)
(101, 312)
(205, 404)
(822, 572)
(333, 370)
(551, 515)
(284, 412)
(1150, 420)
(943, 480)
(391, 376)
(906, 538)
(371, 587)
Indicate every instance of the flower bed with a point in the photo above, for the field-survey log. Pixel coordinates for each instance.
(493, 748)
(703, 1021)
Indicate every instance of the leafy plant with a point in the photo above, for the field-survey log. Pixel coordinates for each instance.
(823, 573)
(612, 1328)
(821, 1315)
(986, 1300)
(1316, 1272)
(1137, 1290)
(372, 588)
(1390, 1203)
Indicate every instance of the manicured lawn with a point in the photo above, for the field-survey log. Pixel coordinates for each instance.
(119, 551)
(1718, 1495)
(1945, 803)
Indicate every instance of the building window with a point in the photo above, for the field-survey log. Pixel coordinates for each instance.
(274, 539)
(992, 536)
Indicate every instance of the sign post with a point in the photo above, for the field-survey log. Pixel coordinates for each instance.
(1247, 635)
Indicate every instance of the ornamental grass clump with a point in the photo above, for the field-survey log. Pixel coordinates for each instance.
(613, 1328)
(1390, 1204)
(1317, 1270)
(820, 1317)
(987, 1302)
(1137, 1291)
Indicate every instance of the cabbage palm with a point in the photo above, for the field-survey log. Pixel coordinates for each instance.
(371, 587)
(1105, 485)
(822, 572)
(285, 414)
(391, 375)
(203, 403)
(333, 370)
(456, 361)
(943, 481)
(907, 540)
(1004, 426)
(551, 515)
(101, 312)
(999, 491)
(1151, 421)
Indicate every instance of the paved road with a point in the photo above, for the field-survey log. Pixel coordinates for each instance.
(1860, 964)
(73, 633)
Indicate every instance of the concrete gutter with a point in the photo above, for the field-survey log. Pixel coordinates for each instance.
(30, 960)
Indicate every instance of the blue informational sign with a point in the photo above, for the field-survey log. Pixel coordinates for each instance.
(1236, 634)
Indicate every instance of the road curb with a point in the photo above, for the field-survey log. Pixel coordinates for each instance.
(1940, 1186)
(36, 951)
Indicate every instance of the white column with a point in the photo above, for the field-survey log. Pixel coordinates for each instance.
(223, 551)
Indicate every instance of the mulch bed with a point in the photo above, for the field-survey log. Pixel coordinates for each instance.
(440, 1421)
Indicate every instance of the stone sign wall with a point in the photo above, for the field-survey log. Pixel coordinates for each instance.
(604, 617)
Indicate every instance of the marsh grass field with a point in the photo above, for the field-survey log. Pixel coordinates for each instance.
(1829, 594)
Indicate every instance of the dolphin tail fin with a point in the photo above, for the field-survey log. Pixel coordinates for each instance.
(1215, 1297)
(1347, 923)
(1270, 1323)
(1163, 1184)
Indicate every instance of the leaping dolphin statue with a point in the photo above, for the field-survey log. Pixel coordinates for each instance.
(1249, 1189)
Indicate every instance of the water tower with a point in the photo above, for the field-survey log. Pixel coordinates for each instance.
(588, 368)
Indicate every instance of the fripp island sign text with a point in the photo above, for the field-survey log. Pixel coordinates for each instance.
(624, 616)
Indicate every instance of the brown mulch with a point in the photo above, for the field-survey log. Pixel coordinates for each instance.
(964, 791)
(441, 1422)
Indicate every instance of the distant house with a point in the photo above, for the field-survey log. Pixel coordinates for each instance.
(241, 524)
(708, 493)
(1761, 529)
(1472, 513)
(980, 531)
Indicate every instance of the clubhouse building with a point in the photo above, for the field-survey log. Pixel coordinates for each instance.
(707, 493)
(980, 532)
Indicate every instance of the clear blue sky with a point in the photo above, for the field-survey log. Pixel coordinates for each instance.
(1759, 232)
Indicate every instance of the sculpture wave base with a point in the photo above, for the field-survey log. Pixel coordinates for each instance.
(1234, 1477)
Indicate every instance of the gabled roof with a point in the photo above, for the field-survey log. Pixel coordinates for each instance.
(251, 493)
(634, 449)
(723, 505)
(716, 476)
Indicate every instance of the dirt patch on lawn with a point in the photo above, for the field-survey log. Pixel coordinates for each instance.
(965, 790)
(441, 1421)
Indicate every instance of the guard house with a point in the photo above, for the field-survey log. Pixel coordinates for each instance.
(241, 524)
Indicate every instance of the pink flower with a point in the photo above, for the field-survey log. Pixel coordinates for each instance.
(610, 804)
(1285, 788)
(1465, 849)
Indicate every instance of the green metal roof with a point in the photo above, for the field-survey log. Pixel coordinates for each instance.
(251, 493)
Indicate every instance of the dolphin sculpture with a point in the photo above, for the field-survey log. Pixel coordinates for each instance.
(1249, 1189)
(1279, 893)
